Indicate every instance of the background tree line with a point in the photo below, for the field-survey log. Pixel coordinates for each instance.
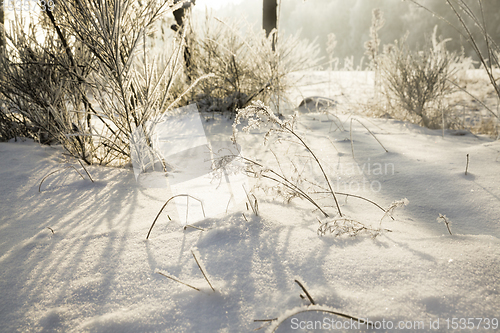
(350, 22)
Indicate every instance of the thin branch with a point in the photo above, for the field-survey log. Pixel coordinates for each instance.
(306, 292)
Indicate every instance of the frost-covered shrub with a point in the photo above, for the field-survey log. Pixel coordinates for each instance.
(131, 85)
(14, 124)
(475, 30)
(417, 83)
(43, 97)
(245, 66)
(92, 80)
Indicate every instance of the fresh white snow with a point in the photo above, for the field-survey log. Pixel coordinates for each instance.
(96, 272)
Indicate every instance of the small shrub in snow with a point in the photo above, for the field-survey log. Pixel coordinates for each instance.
(470, 20)
(418, 82)
(92, 48)
(245, 64)
(42, 86)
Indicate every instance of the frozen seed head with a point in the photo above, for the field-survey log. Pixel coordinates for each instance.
(443, 218)
(400, 203)
(256, 114)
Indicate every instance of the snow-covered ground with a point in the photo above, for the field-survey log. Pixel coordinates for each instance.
(74, 257)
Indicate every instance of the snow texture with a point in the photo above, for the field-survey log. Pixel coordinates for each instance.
(96, 272)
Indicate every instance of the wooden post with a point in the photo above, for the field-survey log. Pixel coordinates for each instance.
(3, 40)
(2, 25)
(270, 17)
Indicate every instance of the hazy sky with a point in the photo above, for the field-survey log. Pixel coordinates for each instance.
(349, 20)
(215, 4)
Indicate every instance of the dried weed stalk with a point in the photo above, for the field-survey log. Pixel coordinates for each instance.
(258, 114)
(446, 222)
(340, 226)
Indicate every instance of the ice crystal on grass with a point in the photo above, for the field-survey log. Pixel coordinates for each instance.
(258, 114)
(340, 226)
(255, 114)
(395, 204)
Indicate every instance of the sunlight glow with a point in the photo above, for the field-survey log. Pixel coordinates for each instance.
(216, 4)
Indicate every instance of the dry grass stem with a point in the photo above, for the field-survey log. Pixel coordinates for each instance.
(58, 170)
(467, 165)
(165, 205)
(352, 144)
(202, 270)
(446, 222)
(194, 227)
(359, 197)
(254, 204)
(84, 168)
(177, 280)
